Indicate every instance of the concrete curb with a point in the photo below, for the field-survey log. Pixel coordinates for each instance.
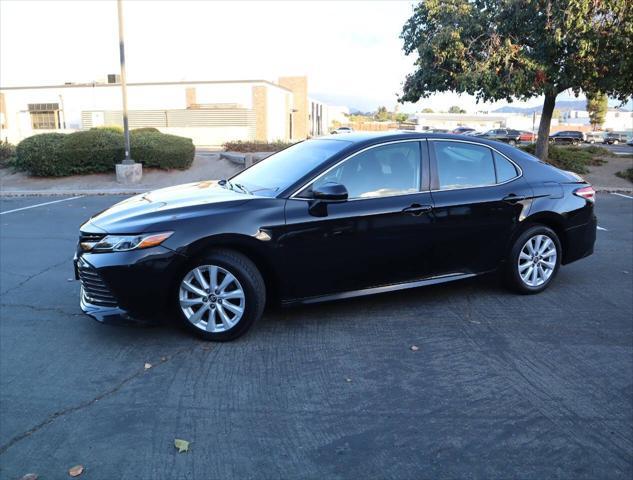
(61, 193)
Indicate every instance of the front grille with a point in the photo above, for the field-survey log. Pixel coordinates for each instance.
(95, 291)
(90, 237)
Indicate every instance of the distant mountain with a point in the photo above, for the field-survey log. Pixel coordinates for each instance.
(562, 105)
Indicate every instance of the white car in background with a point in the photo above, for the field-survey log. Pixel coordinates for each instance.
(343, 130)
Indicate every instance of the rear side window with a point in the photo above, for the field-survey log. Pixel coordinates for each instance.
(463, 165)
(505, 168)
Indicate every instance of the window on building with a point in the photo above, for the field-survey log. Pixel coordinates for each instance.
(44, 116)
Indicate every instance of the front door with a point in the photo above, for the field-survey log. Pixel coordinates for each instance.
(380, 235)
(479, 199)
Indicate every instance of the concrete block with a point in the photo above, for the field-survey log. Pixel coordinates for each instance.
(129, 173)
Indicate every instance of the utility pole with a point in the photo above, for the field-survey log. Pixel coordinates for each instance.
(127, 171)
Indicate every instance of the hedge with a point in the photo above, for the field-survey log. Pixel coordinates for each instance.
(7, 153)
(255, 146)
(575, 159)
(98, 150)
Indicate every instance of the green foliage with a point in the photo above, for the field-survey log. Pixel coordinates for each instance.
(599, 151)
(427, 110)
(109, 128)
(255, 146)
(597, 106)
(97, 151)
(575, 159)
(146, 129)
(158, 150)
(456, 109)
(7, 154)
(626, 174)
(40, 155)
(505, 50)
(382, 115)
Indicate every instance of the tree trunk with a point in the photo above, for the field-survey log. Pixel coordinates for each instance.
(542, 142)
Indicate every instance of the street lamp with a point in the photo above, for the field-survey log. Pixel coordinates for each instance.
(128, 171)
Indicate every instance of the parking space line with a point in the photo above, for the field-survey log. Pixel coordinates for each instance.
(622, 195)
(40, 204)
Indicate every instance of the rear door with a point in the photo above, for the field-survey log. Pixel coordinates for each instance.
(479, 198)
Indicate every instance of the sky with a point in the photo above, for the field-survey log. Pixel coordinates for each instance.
(350, 50)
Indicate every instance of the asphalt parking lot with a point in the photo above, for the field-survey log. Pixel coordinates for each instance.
(501, 386)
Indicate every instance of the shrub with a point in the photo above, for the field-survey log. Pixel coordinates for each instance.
(109, 128)
(255, 146)
(595, 150)
(575, 159)
(626, 174)
(91, 151)
(40, 155)
(146, 129)
(159, 150)
(7, 154)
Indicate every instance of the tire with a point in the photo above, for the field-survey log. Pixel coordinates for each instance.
(615, 142)
(513, 142)
(244, 292)
(513, 269)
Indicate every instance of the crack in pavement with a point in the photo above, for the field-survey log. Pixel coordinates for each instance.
(41, 309)
(31, 277)
(66, 411)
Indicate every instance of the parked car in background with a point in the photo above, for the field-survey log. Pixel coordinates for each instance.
(527, 136)
(630, 142)
(512, 137)
(615, 138)
(572, 137)
(462, 130)
(594, 137)
(334, 218)
(342, 130)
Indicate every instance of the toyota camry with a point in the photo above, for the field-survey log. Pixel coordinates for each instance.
(333, 218)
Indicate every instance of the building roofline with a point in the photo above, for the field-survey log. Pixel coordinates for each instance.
(144, 84)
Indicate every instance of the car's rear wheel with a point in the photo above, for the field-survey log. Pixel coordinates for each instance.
(615, 142)
(512, 142)
(221, 295)
(534, 260)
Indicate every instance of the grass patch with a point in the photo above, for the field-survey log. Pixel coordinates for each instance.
(575, 159)
(626, 174)
(255, 146)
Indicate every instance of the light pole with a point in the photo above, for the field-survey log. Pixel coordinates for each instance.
(127, 171)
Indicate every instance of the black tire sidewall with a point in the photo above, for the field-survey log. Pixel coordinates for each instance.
(513, 259)
(251, 281)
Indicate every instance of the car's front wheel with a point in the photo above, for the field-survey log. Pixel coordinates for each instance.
(221, 295)
(512, 142)
(534, 260)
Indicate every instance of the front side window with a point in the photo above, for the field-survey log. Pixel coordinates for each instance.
(463, 165)
(387, 170)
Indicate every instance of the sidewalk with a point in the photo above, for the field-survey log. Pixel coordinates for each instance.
(206, 166)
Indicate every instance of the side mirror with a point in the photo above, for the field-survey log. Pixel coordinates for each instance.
(330, 192)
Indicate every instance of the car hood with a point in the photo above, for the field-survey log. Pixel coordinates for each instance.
(142, 213)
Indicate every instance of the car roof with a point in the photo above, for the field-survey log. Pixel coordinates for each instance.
(358, 138)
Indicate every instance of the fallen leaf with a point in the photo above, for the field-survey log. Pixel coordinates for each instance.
(181, 445)
(30, 476)
(163, 359)
(414, 348)
(76, 471)
(348, 380)
(70, 279)
(148, 366)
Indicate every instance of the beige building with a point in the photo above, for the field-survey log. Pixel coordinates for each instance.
(208, 112)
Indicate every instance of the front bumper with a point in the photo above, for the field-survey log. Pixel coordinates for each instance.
(124, 287)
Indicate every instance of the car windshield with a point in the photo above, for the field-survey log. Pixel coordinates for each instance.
(282, 169)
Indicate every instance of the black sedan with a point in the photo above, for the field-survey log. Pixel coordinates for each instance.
(333, 218)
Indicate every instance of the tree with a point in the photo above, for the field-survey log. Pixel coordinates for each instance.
(382, 114)
(557, 114)
(520, 49)
(427, 110)
(597, 106)
(456, 109)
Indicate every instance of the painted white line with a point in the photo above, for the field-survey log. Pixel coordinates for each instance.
(602, 228)
(622, 195)
(40, 205)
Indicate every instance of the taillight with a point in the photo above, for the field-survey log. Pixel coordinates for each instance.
(588, 193)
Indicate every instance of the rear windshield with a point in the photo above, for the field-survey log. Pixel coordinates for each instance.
(277, 172)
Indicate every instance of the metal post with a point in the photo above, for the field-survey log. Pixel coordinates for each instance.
(126, 131)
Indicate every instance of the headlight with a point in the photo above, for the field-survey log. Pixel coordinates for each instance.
(124, 243)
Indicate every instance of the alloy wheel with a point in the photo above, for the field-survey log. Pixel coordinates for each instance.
(537, 260)
(212, 298)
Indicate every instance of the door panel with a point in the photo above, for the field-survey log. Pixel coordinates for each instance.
(380, 236)
(472, 223)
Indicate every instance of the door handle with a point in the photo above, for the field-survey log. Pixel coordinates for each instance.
(512, 198)
(417, 209)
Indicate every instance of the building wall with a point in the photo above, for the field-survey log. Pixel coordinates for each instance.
(299, 88)
(148, 102)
